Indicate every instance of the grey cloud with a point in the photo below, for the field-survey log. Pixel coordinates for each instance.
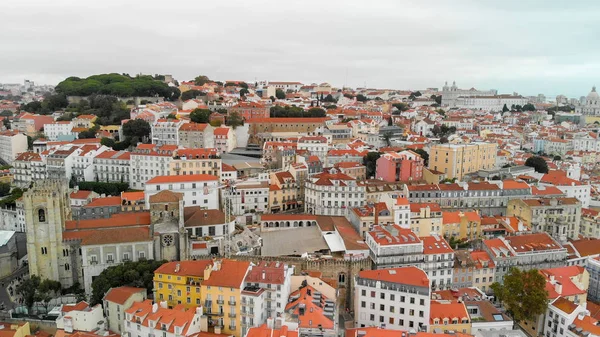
(512, 45)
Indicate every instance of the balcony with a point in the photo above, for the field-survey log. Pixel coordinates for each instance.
(232, 315)
(231, 302)
(232, 327)
(220, 301)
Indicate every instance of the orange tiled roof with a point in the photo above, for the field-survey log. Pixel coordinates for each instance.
(404, 275)
(121, 294)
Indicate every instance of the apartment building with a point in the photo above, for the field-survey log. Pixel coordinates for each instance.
(112, 166)
(166, 131)
(449, 315)
(12, 143)
(283, 192)
(538, 250)
(392, 246)
(332, 193)
(196, 135)
(27, 168)
(83, 168)
(425, 218)
(197, 189)
(400, 166)
(315, 145)
(265, 294)
(148, 161)
(250, 196)
(313, 313)
(250, 110)
(559, 217)
(56, 130)
(195, 161)
(225, 139)
(456, 160)
(178, 282)
(221, 292)
(395, 298)
(117, 301)
(461, 225)
(156, 319)
(80, 317)
(366, 217)
(473, 269)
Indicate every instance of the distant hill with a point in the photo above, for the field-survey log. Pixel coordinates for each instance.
(117, 85)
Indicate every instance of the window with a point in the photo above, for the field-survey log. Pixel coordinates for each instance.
(41, 215)
(44, 250)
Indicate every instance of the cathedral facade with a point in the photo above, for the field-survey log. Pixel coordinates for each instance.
(450, 94)
(590, 105)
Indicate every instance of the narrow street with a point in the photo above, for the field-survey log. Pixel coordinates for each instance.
(5, 283)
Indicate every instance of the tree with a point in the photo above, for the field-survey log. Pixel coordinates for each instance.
(172, 116)
(316, 112)
(201, 80)
(361, 98)
(137, 128)
(401, 106)
(6, 113)
(279, 94)
(528, 107)
(441, 112)
(244, 92)
(329, 99)
(137, 274)
(370, 162)
(538, 163)
(423, 155)
(4, 189)
(103, 188)
(505, 108)
(523, 294)
(55, 102)
(109, 142)
(557, 158)
(191, 94)
(34, 107)
(200, 115)
(216, 123)
(87, 134)
(28, 290)
(234, 119)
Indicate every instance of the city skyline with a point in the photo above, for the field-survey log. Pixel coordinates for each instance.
(511, 46)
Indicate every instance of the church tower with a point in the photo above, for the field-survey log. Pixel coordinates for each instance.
(47, 207)
(167, 226)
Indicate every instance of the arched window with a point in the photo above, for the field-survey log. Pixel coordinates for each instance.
(42, 215)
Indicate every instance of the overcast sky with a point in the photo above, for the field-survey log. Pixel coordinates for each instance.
(531, 47)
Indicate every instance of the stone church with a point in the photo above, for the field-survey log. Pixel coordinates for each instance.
(77, 250)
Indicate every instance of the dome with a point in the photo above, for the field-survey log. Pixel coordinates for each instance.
(593, 95)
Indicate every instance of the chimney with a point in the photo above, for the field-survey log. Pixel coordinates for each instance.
(558, 288)
(217, 330)
(207, 271)
(177, 266)
(264, 274)
(154, 308)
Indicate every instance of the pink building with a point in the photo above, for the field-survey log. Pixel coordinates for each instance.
(400, 166)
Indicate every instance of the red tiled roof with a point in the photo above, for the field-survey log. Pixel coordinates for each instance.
(184, 268)
(404, 275)
(182, 178)
(121, 294)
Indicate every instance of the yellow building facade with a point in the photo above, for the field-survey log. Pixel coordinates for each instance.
(216, 285)
(456, 160)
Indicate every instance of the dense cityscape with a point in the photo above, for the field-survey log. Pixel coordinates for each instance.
(146, 205)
